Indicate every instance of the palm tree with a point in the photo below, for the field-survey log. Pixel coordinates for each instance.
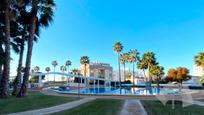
(117, 48)
(41, 14)
(68, 63)
(36, 69)
(150, 60)
(133, 57)
(54, 63)
(84, 60)
(142, 65)
(22, 30)
(6, 71)
(199, 60)
(124, 60)
(47, 69)
(75, 71)
(157, 71)
(63, 68)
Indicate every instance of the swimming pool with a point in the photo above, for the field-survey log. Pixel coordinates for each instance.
(123, 91)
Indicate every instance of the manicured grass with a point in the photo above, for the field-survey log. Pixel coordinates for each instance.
(96, 107)
(157, 108)
(35, 100)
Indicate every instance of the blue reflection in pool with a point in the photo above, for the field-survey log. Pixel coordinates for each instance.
(123, 91)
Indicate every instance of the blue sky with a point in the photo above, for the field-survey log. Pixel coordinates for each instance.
(173, 29)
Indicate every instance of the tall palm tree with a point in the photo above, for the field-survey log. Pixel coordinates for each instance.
(22, 31)
(6, 71)
(68, 63)
(41, 14)
(199, 60)
(142, 65)
(132, 58)
(150, 59)
(62, 68)
(157, 71)
(84, 60)
(117, 48)
(47, 69)
(124, 60)
(54, 63)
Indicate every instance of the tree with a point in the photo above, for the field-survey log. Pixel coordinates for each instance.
(171, 75)
(75, 71)
(20, 35)
(117, 48)
(84, 60)
(142, 65)
(182, 74)
(132, 58)
(54, 63)
(150, 60)
(6, 71)
(124, 60)
(41, 14)
(68, 63)
(47, 69)
(157, 71)
(199, 60)
(179, 74)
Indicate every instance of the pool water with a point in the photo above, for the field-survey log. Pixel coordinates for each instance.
(123, 91)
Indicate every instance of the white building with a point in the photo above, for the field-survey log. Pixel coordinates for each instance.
(97, 69)
(139, 79)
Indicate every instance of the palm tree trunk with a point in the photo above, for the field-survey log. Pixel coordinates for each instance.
(124, 71)
(119, 69)
(85, 75)
(133, 73)
(1, 72)
(158, 82)
(5, 76)
(1, 63)
(145, 77)
(17, 82)
(24, 87)
(149, 78)
(54, 74)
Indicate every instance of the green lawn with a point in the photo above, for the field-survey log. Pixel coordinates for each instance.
(96, 107)
(157, 108)
(35, 100)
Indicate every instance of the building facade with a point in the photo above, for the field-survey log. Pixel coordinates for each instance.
(97, 69)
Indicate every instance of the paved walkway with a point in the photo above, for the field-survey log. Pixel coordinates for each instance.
(133, 107)
(55, 109)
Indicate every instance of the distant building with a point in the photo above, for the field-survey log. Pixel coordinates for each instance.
(198, 71)
(97, 69)
(139, 79)
(123, 77)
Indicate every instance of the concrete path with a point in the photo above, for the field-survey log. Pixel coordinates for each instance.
(55, 109)
(133, 107)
